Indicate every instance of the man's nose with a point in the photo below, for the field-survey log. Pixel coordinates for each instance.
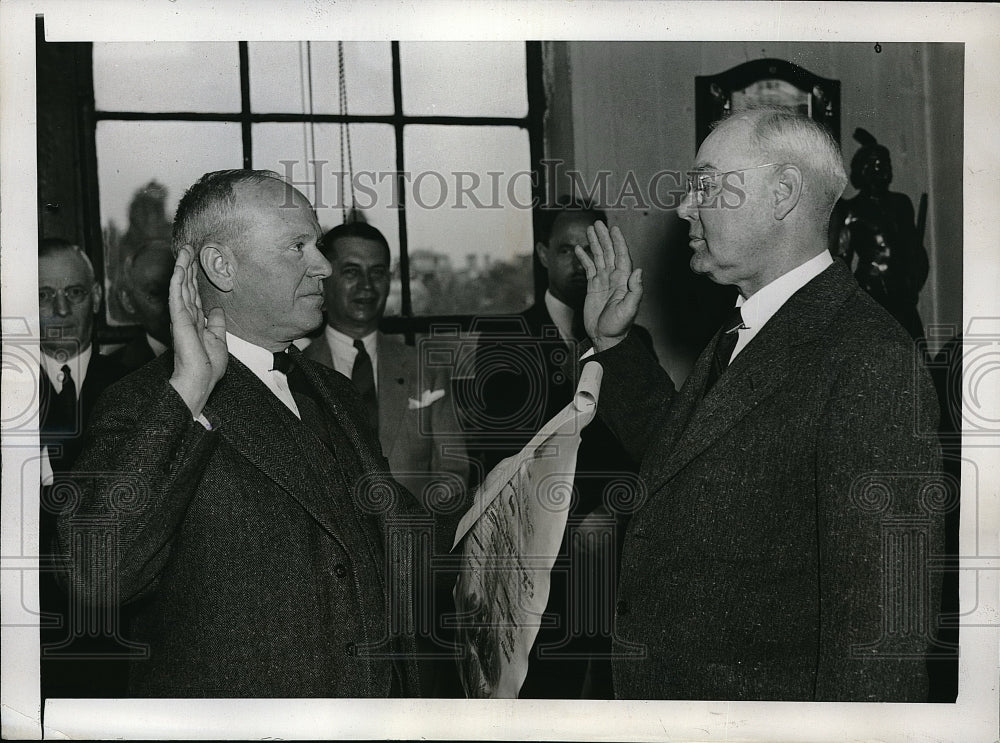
(688, 208)
(60, 305)
(320, 266)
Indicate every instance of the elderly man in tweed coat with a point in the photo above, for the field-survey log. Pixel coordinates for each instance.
(793, 497)
(232, 497)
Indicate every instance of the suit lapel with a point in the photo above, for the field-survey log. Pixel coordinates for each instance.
(319, 350)
(758, 372)
(394, 383)
(276, 443)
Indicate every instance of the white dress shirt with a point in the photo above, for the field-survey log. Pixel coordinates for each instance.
(761, 306)
(343, 351)
(562, 315)
(77, 369)
(261, 362)
(155, 346)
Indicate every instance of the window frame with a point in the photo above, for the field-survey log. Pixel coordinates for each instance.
(406, 323)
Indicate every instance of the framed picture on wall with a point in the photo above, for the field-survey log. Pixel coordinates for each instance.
(765, 81)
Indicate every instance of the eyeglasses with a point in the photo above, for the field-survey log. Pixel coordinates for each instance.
(705, 184)
(74, 294)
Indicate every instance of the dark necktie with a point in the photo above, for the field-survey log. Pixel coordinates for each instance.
(66, 399)
(363, 377)
(305, 398)
(724, 348)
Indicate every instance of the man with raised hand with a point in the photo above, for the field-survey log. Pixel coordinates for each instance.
(246, 499)
(793, 494)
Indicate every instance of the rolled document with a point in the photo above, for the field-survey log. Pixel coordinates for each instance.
(510, 538)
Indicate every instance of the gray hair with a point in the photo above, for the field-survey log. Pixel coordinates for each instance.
(786, 135)
(209, 210)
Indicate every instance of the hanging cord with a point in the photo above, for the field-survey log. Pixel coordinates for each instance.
(345, 133)
(311, 136)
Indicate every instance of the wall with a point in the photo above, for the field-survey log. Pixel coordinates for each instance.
(632, 109)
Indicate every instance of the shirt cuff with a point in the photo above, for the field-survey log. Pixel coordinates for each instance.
(590, 352)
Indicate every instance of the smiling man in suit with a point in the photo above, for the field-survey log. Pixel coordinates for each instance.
(408, 401)
(245, 498)
(793, 492)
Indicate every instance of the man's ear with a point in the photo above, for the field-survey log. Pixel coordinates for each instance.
(541, 250)
(788, 191)
(125, 300)
(97, 293)
(219, 266)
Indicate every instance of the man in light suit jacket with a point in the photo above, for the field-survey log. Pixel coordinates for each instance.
(230, 492)
(793, 483)
(410, 403)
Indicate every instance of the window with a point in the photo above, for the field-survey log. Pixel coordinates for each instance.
(433, 143)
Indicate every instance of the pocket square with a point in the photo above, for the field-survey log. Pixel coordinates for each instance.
(427, 398)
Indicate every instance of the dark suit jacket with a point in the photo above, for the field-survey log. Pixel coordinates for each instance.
(253, 560)
(62, 431)
(133, 354)
(777, 505)
(526, 374)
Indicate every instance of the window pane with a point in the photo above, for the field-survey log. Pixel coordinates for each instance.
(279, 84)
(458, 78)
(167, 76)
(143, 169)
(287, 149)
(468, 219)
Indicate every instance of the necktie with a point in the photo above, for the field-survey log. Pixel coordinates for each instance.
(67, 396)
(363, 377)
(305, 399)
(724, 348)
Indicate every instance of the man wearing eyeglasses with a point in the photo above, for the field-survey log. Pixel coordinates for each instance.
(794, 500)
(73, 376)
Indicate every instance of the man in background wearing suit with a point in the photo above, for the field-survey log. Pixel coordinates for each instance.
(793, 489)
(246, 499)
(409, 403)
(145, 284)
(525, 370)
(73, 376)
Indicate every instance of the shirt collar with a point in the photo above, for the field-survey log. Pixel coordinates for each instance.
(155, 346)
(561, 314)
(761, 306)
(345, 343)
(77, 368)
(255, 358)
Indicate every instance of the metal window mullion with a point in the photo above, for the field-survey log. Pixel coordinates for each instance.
(406, 309)
(245, 113)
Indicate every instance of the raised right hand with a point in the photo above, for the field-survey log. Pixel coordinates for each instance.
(200, 353)
(613, 288)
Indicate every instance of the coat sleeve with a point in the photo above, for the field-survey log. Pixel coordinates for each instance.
(880, 518)
(142, 461)
(635, 393)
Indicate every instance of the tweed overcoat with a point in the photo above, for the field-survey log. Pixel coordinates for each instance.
(248, 559)
(781, 549)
